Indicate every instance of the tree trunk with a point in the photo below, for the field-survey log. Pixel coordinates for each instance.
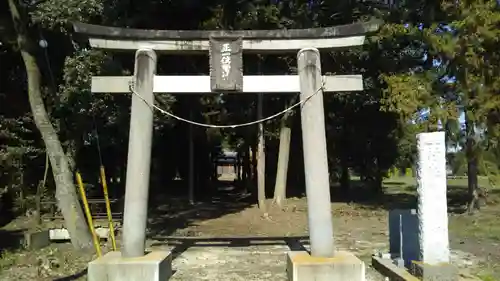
(378, 179)
(345, 177)
(472, 185)
(65, 189)
(237, 165)
(282, 169)
(253, 164)
(472, 181)
(261, 160)
(283, 159)
(191, 180)
(247, 171)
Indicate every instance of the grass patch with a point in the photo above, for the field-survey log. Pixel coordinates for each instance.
(487, 277)
(488, 272)
(483, 225)
(405, 182)
(7, 259)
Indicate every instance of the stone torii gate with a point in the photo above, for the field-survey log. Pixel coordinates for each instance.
(225, 50)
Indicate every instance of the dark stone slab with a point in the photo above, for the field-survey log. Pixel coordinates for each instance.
(34, 240)
(409, 224)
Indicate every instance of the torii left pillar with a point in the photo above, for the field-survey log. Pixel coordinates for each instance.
(133, 263)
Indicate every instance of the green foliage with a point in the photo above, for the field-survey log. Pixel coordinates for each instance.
(18, 151)
(59, 14)
(368, 132)
(462, 41)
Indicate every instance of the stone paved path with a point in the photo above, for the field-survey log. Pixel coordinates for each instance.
(253, 263)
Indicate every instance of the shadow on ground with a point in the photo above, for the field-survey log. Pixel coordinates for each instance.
(6, 209)
(11, 239)
(75, 276)
(457, 199)
(359, 193)
(182, 244)
(399, 195)
(169, 215)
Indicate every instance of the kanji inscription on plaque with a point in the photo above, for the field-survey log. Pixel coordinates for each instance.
(226, 63)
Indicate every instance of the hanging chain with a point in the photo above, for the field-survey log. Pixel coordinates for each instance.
(165, 112)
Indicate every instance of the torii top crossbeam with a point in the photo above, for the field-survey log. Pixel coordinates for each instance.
(225, 49)
(262, 41)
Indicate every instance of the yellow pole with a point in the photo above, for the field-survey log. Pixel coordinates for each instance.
(108, 207)
(89, 216)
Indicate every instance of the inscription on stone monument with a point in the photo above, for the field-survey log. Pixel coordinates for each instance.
(432, 202)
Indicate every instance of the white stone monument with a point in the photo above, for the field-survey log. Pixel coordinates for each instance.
(434, 263)
(432, 202)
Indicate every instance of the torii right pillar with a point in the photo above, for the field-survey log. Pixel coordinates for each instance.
(323, 263)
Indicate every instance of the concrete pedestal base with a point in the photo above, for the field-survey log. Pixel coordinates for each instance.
(440, 272)
(344, 266)
(154, 266)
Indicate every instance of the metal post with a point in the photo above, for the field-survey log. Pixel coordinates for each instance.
(315, 154)
(139, 156)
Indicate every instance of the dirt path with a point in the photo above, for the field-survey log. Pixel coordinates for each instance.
(357, 229)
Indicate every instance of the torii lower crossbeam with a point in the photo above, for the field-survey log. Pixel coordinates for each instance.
(251, 84)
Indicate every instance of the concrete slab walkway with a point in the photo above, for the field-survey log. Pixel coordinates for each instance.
(251, 263)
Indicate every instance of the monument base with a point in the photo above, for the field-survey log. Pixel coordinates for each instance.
(154, 266)
(344, 266)
(439, 272)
